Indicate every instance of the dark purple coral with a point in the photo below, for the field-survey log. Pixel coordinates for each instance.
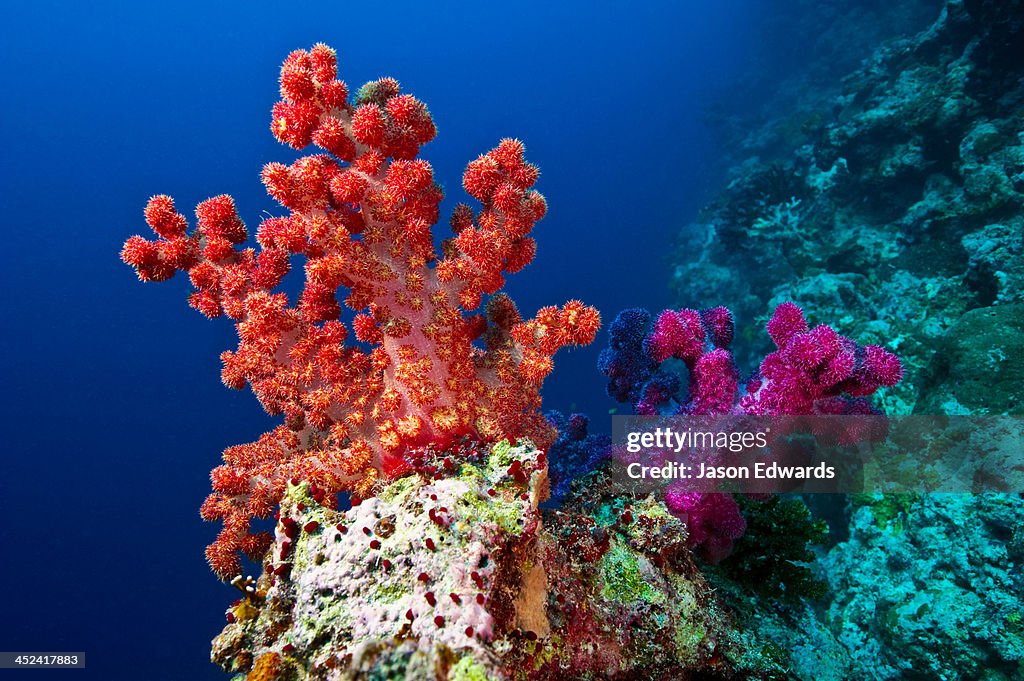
(625, 361)
(575, 453)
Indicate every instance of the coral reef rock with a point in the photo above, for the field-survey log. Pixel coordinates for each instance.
(456, 575)
(909, 607)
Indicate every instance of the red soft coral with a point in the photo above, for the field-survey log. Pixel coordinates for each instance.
(361, 215)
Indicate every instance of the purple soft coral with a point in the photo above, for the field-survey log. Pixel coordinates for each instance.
(813, 371)
(625, 361)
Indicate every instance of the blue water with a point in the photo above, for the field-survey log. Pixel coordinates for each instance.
(113, 412)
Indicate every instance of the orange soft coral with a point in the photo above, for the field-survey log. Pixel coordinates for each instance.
(361, 215)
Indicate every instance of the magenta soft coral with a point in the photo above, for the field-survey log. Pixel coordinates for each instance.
(361, 216)
(812, 371)
(816, 371)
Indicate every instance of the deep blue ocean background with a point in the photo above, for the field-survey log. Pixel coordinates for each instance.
(113, 411)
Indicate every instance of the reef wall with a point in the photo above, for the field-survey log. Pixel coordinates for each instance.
(897, 210)
(898, 214)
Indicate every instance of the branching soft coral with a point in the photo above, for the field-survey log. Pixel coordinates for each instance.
(361, 216)
(814, 371)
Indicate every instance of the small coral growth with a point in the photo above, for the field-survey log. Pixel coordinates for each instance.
(575, 453)
(773, 558)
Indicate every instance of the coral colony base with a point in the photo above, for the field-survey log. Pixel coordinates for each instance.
(444, 566)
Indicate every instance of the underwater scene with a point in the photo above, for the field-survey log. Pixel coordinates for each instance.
(532, 342)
